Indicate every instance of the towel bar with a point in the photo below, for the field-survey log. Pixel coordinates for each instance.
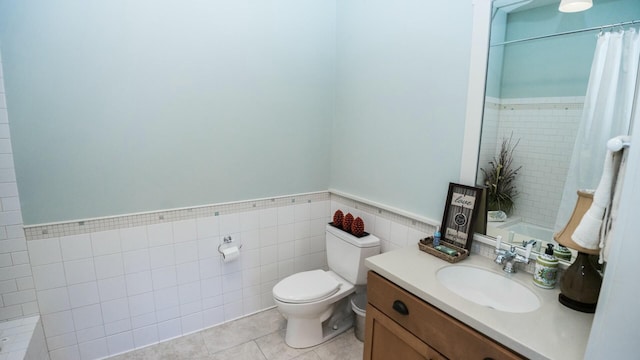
(618, 142)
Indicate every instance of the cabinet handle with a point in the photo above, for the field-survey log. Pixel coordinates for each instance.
(400, 307)
(487, 358)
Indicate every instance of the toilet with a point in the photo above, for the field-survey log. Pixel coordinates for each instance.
(315, 303)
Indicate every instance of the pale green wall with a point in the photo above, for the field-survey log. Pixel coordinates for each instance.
(401, 100)
(130, 105)
(126, 106)
(496, 54)
(556, 66)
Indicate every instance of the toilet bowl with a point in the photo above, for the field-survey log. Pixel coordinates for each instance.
(315, 303)
(306, 314)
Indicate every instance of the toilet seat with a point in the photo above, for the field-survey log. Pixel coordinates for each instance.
(306, 287)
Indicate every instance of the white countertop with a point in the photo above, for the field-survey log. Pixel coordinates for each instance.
(553, 331)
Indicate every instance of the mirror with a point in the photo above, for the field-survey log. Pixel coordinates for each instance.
(534, 98)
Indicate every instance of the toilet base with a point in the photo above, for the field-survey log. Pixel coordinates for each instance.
(304, 333)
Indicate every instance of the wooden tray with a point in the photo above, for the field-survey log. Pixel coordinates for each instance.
(426, 245)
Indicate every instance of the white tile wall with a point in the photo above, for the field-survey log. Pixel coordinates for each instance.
(106, 292)
(488, 148)
(395, 231)
(17, 293)
(547, 128)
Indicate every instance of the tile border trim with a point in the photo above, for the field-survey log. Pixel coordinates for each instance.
(84, 226)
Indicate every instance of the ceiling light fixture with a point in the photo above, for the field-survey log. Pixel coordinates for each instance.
(571, 6)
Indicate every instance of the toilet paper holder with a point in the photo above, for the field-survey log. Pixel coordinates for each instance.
(226, 241)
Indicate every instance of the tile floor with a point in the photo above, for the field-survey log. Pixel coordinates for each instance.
(256, 337)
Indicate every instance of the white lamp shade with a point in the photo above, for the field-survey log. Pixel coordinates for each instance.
(585, 199)
(570, 6)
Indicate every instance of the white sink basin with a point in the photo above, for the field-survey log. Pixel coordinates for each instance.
(487, 288)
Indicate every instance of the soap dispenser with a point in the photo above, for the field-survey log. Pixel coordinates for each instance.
(545, 273)
(436, 237)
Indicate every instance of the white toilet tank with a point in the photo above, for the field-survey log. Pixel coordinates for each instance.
(346, 254)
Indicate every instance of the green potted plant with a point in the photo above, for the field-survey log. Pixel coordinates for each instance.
(500, 177)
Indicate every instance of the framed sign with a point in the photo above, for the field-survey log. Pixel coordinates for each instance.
(460, 213)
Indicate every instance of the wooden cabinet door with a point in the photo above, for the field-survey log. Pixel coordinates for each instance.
(386, 340)
(450, 337)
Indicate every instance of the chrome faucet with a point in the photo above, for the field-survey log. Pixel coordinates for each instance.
(511, 257)
(531, 242)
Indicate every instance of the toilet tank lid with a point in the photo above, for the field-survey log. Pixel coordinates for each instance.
(306, 286)
(363, 242)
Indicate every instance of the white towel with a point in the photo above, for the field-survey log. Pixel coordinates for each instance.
(596, 224)
(609, 227)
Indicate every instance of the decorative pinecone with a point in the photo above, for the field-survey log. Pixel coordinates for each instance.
(357, 228)
(337, 218)
(346, 222)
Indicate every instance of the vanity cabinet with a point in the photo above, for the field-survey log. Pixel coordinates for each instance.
(400, 325)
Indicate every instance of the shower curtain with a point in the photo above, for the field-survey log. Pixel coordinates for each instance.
(612, 91)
